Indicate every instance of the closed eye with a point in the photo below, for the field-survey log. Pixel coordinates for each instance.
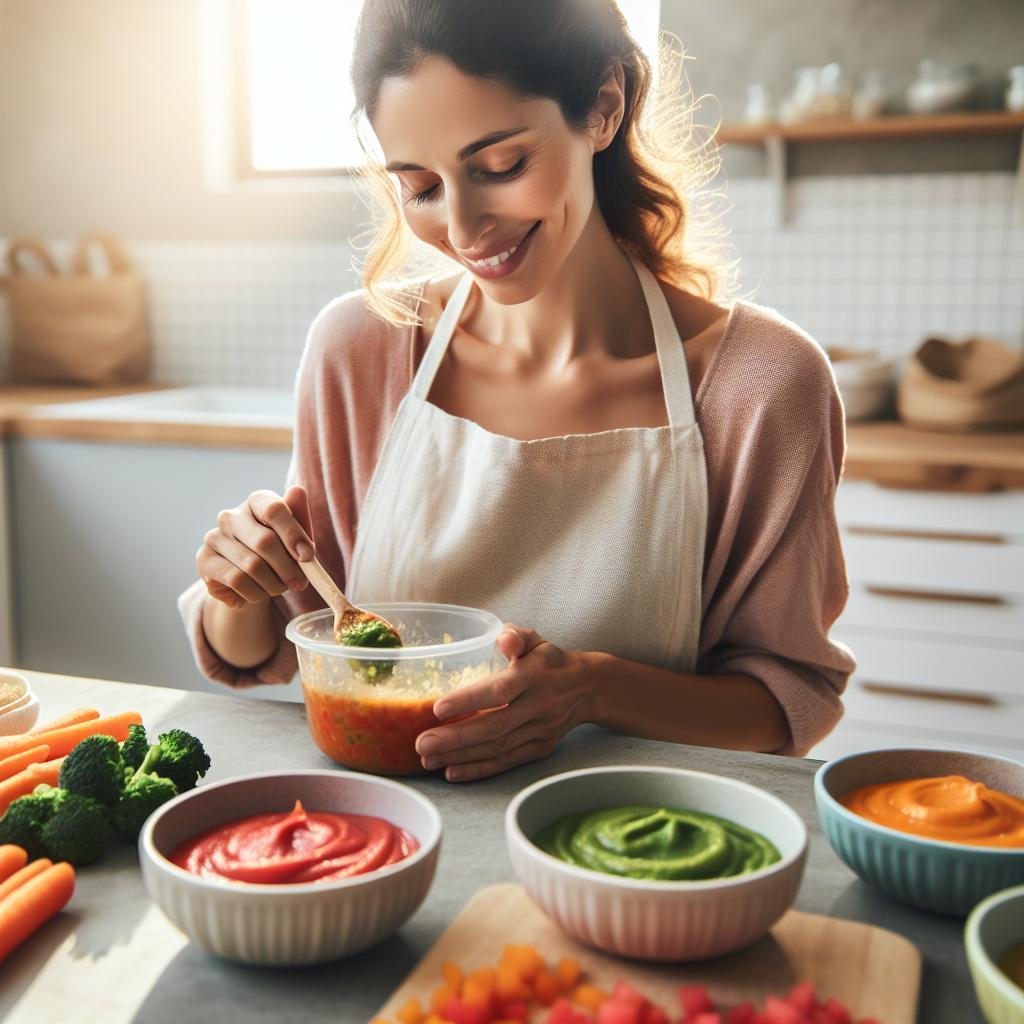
(493, 176)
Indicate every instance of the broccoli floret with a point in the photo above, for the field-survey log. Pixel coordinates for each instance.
(77, 830)
(23, 823)
(143, 795)
(134, 749)
(94, 769)
(370, 633)
(179, 756)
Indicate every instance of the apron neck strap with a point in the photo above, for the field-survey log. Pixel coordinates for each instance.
(675, 377)
(443, 331)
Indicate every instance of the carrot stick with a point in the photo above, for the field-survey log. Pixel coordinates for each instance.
(12, 858)
(12, 765)
(37, 867)
(71, 718)
(24, 782)
(61, 741)
(33, 903)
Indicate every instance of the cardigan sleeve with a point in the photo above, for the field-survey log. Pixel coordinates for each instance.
(775, 577)
(352, 373)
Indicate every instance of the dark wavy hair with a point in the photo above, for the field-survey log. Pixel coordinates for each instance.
(562, 50)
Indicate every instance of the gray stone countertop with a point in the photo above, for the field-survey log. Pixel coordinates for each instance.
(111, 956)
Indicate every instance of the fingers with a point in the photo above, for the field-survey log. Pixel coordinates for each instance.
(532, 750)
(517, 641)
(495, 691)
(498, 734)
(298, 502)
(253, 552)
(274, 512)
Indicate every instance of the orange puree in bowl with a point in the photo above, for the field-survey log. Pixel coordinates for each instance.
(949, 808)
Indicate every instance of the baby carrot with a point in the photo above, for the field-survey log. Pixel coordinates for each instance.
(33, 903)
(37, 867)
(75, 717)
(61, 741)
(12, 765)
(12, 858)
(25, 781)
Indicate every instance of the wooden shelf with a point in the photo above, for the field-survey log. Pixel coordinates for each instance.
(776, 136)
(903, 127)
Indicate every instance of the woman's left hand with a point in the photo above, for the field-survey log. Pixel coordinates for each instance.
(525, 710)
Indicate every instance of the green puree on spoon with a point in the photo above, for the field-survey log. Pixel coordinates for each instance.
(657, 843)
(370, 633)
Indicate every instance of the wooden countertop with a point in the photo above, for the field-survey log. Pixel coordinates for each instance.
(886, 452)
(895, 455)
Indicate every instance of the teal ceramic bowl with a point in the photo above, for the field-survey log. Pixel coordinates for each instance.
(949, 878)
(995, 925)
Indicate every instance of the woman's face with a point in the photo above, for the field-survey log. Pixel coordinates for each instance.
(484, 174)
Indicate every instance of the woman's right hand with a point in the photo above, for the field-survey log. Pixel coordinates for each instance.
(252, 554)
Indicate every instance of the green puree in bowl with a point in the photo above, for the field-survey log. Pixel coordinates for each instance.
(657, 843)
(371, 634)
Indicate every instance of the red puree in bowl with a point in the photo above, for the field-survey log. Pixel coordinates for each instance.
(300, 846)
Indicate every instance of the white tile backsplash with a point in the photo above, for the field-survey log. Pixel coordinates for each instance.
(868, 261)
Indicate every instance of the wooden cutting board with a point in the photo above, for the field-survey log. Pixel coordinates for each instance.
(875, 972)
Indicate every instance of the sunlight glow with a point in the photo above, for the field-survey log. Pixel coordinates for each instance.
(300, 96)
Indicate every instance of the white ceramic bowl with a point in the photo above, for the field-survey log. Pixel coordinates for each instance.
(289, 925)
(994, 925)
(657, 920)
(22, 713)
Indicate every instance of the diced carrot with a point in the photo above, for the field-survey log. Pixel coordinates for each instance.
(509, 985)
(453, 976)
(440, 996)
(24, 782)
(569, 972)
(75, 717)
(410, 1013)
(37, 867)
(19, 762)
(32, 904)
(526, 959)
(589, 997)
(478, 989)
(546, 988)
(12, 858)
(62, 741)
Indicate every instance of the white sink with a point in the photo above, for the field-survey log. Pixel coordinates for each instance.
(270, 407)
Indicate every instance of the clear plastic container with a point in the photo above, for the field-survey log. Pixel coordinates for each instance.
(366, 705)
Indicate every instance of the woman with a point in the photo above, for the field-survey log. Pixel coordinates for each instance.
(569, 432)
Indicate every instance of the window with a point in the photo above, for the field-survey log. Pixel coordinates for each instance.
(294, 96)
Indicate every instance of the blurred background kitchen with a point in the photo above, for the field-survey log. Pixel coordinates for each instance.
(875, 181)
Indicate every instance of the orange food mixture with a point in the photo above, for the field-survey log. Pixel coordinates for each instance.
(372, 735)
(950, 808)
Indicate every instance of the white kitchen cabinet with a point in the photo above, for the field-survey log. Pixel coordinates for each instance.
(103, 539)
(935, 619)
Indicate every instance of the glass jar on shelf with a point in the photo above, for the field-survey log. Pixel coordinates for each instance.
(1015, 90)
(872, 98)
(759, 104)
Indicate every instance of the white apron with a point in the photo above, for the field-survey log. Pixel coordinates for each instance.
(596, 541)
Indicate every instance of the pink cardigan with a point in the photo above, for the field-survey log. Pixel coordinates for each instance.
(774, 438)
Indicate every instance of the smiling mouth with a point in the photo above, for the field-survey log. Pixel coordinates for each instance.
(505, 255)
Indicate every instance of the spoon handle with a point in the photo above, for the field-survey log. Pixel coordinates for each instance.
(326, 587)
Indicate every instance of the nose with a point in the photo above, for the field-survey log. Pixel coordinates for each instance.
(468, 221)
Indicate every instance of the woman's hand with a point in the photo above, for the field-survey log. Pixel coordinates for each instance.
(252, 554)
(525, 710)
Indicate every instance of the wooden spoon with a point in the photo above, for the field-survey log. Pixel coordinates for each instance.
(346, 614)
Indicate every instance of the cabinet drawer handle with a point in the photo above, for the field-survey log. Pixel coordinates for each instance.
(886, 531)
(932, 595)
(953, 697)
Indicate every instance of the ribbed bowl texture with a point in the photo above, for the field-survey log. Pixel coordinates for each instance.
(657, 920)
(289, 925)
(948, 878)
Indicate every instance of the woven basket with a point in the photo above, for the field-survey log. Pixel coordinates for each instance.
(977, 384)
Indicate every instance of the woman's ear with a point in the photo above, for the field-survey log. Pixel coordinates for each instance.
(609, 109)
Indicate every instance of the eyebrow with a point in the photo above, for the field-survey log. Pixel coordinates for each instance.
(466, 152)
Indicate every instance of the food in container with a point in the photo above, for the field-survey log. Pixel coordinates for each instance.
(994, 941)
(371, 722)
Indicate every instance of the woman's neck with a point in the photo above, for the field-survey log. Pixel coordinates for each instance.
(593, 306)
